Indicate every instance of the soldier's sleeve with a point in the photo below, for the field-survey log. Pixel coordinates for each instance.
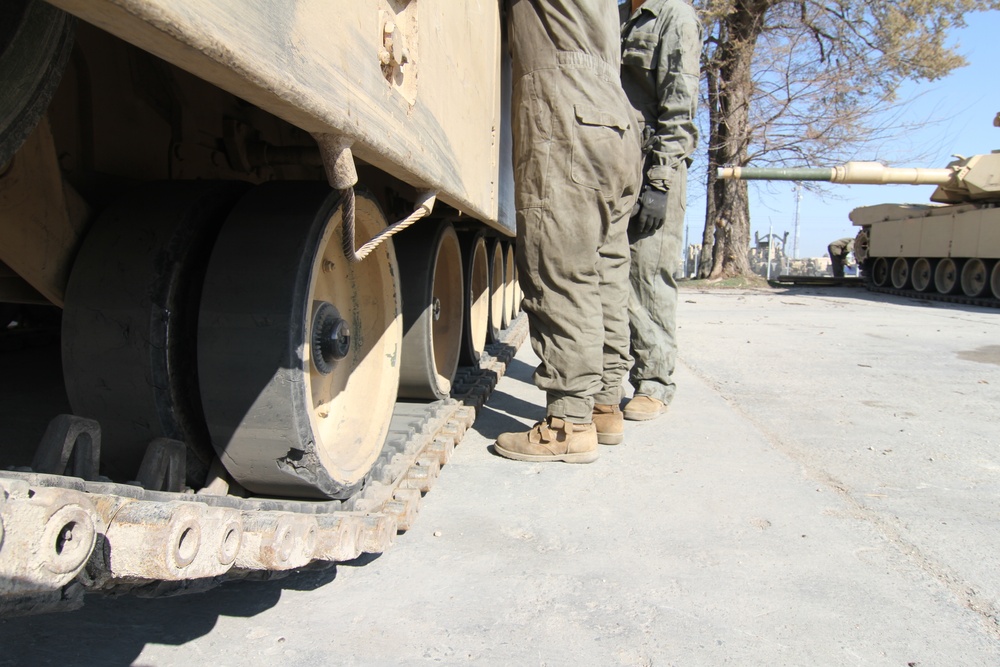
(677, 76)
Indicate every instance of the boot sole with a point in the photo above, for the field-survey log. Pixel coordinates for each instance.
(610, 438)
(579, 457)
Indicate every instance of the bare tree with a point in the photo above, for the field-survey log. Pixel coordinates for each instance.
(804, 82)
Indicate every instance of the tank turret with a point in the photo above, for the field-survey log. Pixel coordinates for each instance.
(976, 178)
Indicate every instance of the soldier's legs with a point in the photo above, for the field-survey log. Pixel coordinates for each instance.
(836, 260)
(576, 185)
(614, 270)
(557, 262)
(652, 303)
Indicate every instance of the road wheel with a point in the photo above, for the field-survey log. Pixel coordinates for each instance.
(477, 296)
(946, 275)
(922, 274)
(130, 322)
(430, 258)
(975, 278)
(880, 272)
(299, 349)
(494, 249)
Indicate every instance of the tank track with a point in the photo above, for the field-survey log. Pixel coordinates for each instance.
(62, 537)
(814, 281)
(986, 302)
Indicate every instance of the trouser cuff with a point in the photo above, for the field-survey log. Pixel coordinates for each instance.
(662, 393)
(571, 408)
(609, 396)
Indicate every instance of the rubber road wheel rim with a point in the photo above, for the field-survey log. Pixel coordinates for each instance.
(922, 274)
(946, 276)
(995, 280)
(37, 41)
(880, 272)
(299, 348)
(497, 263)
(900, 273)
(430, 259)
(130, 322)
(477, 296)
(508, 282)
(975, 278)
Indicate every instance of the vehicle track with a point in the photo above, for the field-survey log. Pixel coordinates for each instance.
(62, 536)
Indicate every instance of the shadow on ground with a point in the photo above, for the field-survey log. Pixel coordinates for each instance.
(114, 631)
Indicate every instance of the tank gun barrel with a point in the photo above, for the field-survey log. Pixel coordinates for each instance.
(869, 173)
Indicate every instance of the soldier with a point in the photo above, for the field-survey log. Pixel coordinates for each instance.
(576, 177)
(838, 251)
(661, 52)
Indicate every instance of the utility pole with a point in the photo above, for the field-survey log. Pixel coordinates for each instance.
(770, 240)
(798, 198)
(685, 253)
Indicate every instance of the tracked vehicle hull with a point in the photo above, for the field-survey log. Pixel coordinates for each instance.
(203, 203)
(936, 252)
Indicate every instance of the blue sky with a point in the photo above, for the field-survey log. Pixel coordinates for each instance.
(960, 110)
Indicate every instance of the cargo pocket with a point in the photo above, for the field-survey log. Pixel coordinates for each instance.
(532, 134)
(599, 157)
(639, 50)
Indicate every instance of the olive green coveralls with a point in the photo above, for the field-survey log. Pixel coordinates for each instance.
(838, 251)
(661, 52)
(576, 177)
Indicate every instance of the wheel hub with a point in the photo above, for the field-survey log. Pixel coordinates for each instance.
(331, 338)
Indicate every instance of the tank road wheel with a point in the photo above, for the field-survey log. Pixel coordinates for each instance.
(130, 321)
(298, 350)
(946, 275)
(880, 272)
(900, 273)
(497, 263)
(431, 261)
(922, 274)
(36, 40)
(995, 280)
(508, 284)
(517, 290)
(476, 311)
(975, 277)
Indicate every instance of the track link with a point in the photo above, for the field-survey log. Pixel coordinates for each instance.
(985, 302)
(822, 281)
(62, 537)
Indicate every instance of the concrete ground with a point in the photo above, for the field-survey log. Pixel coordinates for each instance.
(825, 490)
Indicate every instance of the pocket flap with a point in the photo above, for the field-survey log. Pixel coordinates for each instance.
(639, 50)
(588, 114)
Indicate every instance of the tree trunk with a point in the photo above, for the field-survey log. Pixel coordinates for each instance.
(706, 259)
(729, 90)
(732, 233)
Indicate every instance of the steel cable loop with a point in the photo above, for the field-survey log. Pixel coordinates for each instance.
(347, 242)
(425, 203)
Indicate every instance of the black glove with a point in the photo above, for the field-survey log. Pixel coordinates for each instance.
(653, 211)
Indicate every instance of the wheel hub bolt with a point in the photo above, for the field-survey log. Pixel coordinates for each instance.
(331, 340)
(337, 342)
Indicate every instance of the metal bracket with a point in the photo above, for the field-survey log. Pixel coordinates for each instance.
(70, 439)
(163, 466)
(338, 160)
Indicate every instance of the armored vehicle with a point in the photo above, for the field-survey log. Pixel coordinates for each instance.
(278, 238)
(945, 250)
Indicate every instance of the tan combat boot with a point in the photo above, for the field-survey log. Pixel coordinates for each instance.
(609, 424)
(551, 440)
(641, 408)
